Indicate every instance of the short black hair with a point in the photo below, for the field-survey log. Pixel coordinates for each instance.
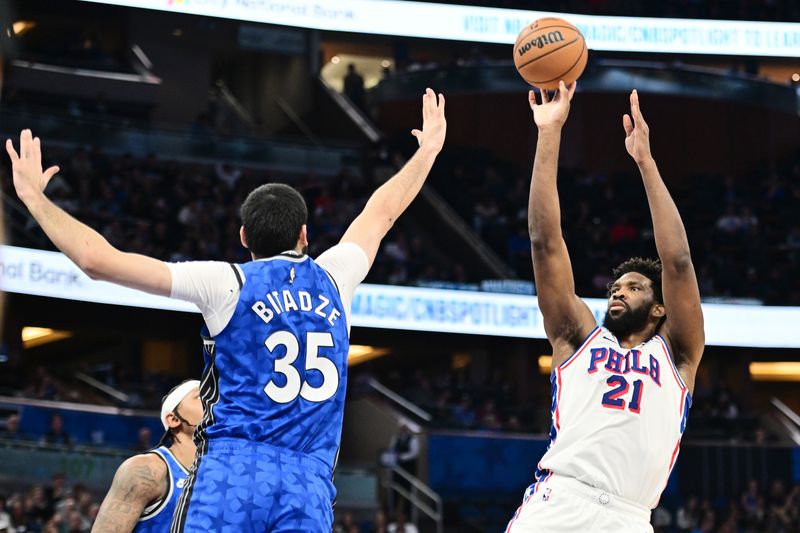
(649, 268)
(272, 216)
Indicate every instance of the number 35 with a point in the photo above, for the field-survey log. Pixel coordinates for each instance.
(294, 386)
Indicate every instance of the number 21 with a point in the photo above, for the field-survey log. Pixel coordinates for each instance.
(612, 399)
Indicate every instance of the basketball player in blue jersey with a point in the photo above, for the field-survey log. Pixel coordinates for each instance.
(276, 339)
(146, 487)
(621, 392)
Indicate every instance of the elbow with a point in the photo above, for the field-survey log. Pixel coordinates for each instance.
(681, 263)
(540, 243)
(89, 264)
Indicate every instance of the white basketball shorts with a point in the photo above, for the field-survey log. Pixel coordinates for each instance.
(561, 504)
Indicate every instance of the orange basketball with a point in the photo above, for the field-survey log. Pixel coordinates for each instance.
(549, 50)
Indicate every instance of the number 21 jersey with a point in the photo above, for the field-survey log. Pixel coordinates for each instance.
(618, 417)
(277, 372)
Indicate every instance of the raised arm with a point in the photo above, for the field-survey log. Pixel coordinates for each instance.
(392, 198)
(139, 481)
(85, 247)
(683, 328)
(567, 320)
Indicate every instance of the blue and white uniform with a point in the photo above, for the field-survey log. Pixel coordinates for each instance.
(273, 390)
(617, 419)
(157, 517)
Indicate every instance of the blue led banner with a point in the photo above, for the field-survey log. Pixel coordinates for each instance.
(495, 25)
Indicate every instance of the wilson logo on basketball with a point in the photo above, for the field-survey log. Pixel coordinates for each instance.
(541, 41)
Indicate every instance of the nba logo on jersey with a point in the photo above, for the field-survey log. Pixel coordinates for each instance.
(546, 494)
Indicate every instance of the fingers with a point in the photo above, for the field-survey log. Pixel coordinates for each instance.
(49, 173)
(572, 87)
(545, 96)
(627, 124)
(636, 112)
(26, 143)
(37, 151)
(441, 103)
(563, 94)
(11, 152)
(532, 98)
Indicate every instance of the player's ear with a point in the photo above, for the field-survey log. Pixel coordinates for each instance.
(172, 420)
(243, 238)
(658, 310)
(302, 239)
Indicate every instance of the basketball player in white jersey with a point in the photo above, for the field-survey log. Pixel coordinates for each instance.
(146, 487)
(621, 392)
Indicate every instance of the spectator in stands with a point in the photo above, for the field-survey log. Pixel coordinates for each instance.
(346, 524)
(405, 445)
(5, 518)
(11, 430)
(354, 86)
(56, 434)
(401, 526)
(144, 440)
(379, 525)
(686, 518)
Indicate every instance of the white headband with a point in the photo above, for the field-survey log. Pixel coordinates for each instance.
(174, 398)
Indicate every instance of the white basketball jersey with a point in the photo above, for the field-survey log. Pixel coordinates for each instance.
(618, 417)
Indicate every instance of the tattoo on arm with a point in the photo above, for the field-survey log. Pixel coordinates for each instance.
(139, 481)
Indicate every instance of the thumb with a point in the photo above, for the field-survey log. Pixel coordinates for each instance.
(418, 135)
(49, 173)
(627, 124)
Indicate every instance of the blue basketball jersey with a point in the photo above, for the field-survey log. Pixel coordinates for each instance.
(277, 373)
(157, 517)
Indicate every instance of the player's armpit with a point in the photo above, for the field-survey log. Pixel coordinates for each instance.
(130, 270)
(138, 481)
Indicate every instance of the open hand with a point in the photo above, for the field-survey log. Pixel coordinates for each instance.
(434, 125)
(637, 132)
(29, 180)
(553, 111)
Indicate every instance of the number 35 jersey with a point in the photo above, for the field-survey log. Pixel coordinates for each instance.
(277, 372)
(618, 417)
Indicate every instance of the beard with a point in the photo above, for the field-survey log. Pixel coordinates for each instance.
(630, 320)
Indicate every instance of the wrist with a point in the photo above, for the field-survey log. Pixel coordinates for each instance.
(646, 163)
(429, 151)
(32, 199)
(550, 129)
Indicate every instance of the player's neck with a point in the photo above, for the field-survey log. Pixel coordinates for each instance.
(635, 338)
(184, 451)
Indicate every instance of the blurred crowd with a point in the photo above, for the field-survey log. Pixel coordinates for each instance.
(54, 508)
(743, 231)
(774, 508)
(182, 211)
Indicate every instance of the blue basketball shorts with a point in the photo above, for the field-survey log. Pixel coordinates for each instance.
(240, 486)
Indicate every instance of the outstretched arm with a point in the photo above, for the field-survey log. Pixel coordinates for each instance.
(392, 198)
(683, 327)
(139, 481)
(567, 320)
(85, 247)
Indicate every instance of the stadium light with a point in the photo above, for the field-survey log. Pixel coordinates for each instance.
(775, 371)
(360, 353)
(35, 336)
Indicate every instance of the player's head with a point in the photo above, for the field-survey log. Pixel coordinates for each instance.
(634, 297)
(181, 412)
(274, 220)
